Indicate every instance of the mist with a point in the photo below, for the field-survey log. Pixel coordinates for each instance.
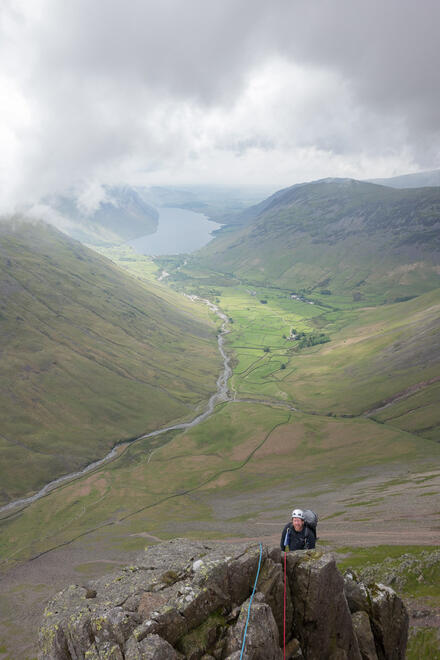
(233, 92)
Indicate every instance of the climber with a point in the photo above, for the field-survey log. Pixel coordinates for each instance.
(297, 535)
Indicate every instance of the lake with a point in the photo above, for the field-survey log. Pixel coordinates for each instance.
(179, 231)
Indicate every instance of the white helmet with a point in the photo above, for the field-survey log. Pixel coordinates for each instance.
(298, 513)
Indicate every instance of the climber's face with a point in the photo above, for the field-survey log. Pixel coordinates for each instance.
(298, 524)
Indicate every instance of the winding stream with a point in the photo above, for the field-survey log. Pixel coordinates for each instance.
(221, 394)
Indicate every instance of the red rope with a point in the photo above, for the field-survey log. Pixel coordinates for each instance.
(284, 616)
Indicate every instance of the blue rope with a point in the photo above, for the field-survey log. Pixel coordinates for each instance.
(250, 602)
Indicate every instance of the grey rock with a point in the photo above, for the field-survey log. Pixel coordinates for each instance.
(242, 570)
(152, 647)
(65, 633)
(203, 639)
(166, 621)
(112, 625)
(262, 641)
(109, 651)
(92, 653)
(189, 600)
(389, 622)
(322, 619)
(356, 594)
(271, 584)
(132, 650)
(362, 629)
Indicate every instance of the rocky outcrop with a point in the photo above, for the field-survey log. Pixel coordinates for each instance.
(387, 617)
(190, 600)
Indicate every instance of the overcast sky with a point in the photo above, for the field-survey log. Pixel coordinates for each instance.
(214, 91)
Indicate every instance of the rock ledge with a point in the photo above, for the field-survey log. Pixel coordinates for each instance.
(185, 599)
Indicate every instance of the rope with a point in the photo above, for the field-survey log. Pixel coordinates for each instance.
(284, 613)
(250, 602)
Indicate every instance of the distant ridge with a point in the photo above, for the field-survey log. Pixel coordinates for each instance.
(344, 236)
(282, 197)
(416, 180)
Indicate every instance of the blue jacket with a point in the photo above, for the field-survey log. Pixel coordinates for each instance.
(303, 540)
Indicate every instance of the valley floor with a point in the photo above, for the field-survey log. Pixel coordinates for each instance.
(379, 517)
(293, 433)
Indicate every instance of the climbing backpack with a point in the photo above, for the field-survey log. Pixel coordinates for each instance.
(310, 519)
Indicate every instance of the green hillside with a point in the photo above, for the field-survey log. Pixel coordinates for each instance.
(341, 241)
(89, 356)
(349, 427)
(379, 362)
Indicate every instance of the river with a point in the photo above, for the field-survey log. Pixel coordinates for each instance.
(221, 394)
(179, 231)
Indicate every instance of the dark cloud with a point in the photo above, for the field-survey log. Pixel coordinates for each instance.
(194, 49)
(389, 53)
(101, 90)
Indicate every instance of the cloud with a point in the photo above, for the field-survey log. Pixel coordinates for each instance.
(232, 91)
(387, 52)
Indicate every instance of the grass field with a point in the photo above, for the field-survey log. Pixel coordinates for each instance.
(381, 361)
(348, 428)
(235, 475)
(90, 357)
(243, 453)
(340, 241)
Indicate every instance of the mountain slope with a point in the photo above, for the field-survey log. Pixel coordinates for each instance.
(89, 356)
(121, 215)
(416, 180)
(344, 237)
(383, 363)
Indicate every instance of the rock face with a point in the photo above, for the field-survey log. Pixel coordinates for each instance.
(185, 599)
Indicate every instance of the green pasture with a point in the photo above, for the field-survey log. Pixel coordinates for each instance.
(90, 357)
(136, 264)
(341, 252)
(94, 355)
(138, 481)
(242, 449)
(416, 411)
(376, 353)
(380, 354)
(357, 558)
(259, 333)
(423, 643)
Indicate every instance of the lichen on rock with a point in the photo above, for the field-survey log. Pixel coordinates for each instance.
(185, 599)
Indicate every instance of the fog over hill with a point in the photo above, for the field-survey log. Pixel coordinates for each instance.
(253, 109)
(110, 214)
(415, 180)
(218, 202)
